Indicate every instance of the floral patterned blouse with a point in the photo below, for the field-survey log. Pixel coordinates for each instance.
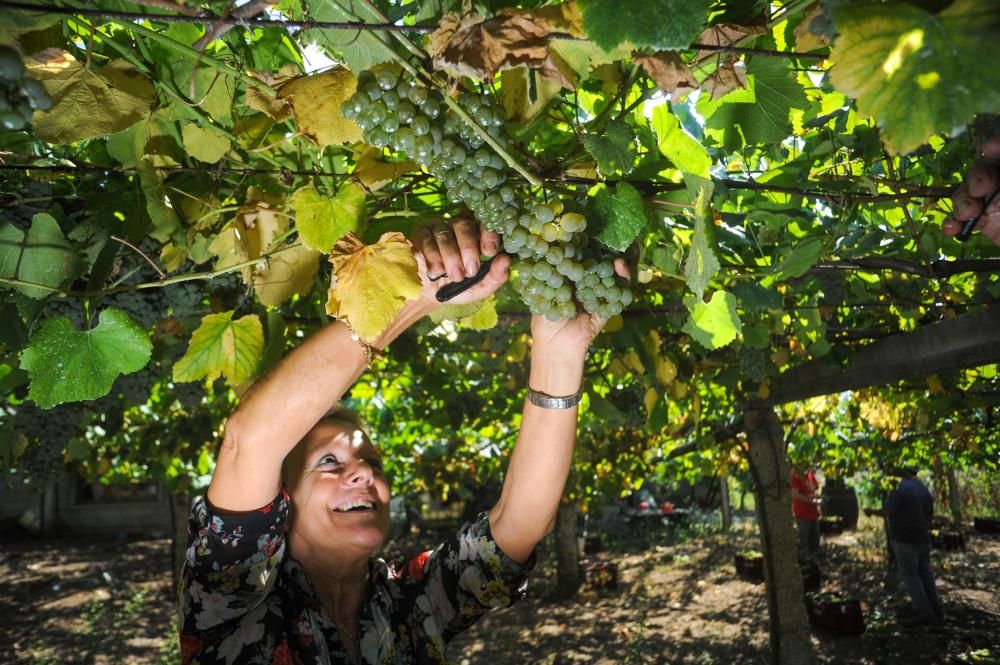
(245, 600)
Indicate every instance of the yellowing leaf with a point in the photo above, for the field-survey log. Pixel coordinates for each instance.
(205, 143)
(323, 221)
(290, 273)
(370, 283)
(221, 346)
(652, 343)
(518, 349)
(666, 371)
(633, 362)
(258, 225)
(805, 39)
(277, 109)
(524, 94)
(87, 102)
(614, 324)
(650, 399)
(484, 318)
(316, 101)
(564, 17)
(617, 368)
(934, 384)
(374, 174)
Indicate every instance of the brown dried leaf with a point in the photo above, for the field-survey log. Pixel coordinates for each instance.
(670, 73)
(726, 34)
(477, 48)
(277, 109)
(725, 79)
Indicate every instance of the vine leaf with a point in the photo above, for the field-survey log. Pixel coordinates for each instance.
(205, 143)
(69, 365)
(323, 221)
(726, 34)
(681, 149)
(480, 47)
(671, 74)
(701, 263)
(725, 79)
(87, 101)
(620, 216)
(801, 259)
(222, 347)
(41, 256)
(613, 149)
(525, 93)
(315, 102)
(290, 273)
(810, 33)
(161, 212)
(755, 297)
(909, 69)
(480, 315)
(713, 324)
(370, 283)
(374, 174)
(759, 114)
(662, 24)
(358, 49)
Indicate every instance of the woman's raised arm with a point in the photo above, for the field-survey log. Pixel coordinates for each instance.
(280, 409)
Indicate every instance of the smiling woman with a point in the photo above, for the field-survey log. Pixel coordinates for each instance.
(280, 567)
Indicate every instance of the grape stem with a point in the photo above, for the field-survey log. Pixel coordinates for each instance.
(142, 254)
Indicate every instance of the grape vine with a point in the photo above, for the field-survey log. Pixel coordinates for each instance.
(556, 258)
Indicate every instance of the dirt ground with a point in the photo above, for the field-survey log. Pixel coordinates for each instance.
(678, 601)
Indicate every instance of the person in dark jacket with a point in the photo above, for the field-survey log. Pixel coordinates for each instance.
(909, 510)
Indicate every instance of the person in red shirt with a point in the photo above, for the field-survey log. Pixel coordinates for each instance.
(805, 508)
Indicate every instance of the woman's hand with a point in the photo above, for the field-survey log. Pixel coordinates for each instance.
(448, 253)
(570, 336)
(982, 180)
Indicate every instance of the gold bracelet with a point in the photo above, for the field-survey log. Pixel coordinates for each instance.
(371, 353)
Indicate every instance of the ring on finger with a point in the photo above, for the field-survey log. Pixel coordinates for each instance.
(443, 234)
(435, 278)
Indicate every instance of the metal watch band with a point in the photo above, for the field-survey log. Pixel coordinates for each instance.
(551, 402)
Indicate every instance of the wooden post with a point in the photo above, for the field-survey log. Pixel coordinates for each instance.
(567, 551)
(954, 498)
(727, 509)
(789, 625)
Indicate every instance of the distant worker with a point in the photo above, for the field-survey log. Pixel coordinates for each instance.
(909, 510)
(805, 507)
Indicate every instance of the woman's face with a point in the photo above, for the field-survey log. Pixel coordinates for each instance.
(339, 492)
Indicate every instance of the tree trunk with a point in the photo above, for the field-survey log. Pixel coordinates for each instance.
(789, 629)
(727, 509)
(50, 508)
(180, 506)
(567, 551)
(954, 498)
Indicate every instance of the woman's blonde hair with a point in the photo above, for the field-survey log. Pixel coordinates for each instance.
(337, 414)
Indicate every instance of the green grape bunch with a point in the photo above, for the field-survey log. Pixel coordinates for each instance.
(19, 96)
(558, 267)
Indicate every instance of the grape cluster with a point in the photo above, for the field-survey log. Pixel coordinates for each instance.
(557, 265)
(19, 96)
(48, 432)
(754, 364)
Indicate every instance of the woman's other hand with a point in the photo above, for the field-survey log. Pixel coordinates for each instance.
(448, 253)
(982, 180)
(572, 335)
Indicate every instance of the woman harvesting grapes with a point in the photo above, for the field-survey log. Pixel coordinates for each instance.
(280, 566)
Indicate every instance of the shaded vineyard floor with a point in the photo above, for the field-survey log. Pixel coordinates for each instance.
(679, 601)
